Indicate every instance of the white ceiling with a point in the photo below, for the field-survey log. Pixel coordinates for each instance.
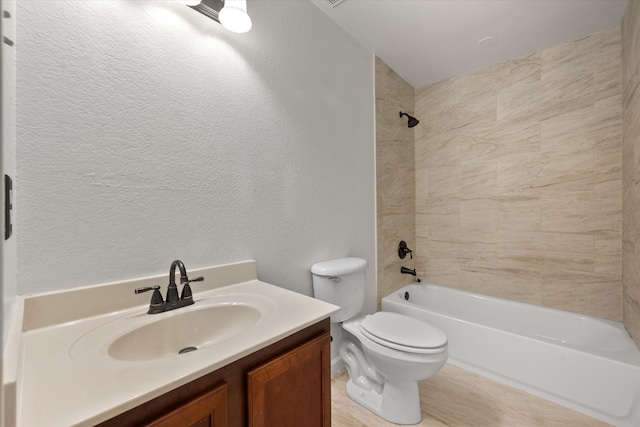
(426, 41)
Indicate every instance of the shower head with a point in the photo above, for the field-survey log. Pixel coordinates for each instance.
(412, 120)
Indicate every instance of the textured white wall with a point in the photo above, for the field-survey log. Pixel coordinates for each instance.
(146, 132)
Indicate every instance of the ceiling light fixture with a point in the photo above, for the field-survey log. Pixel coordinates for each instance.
(234, 16)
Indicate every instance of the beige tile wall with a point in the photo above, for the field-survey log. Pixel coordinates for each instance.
(631, 169)
(519, 178)
(395, 177)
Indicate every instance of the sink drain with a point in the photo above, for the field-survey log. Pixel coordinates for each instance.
(187, 350)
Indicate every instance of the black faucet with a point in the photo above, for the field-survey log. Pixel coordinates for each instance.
(405, 270)
(160, 305)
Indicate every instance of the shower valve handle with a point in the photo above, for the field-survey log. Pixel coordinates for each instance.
(403, 250)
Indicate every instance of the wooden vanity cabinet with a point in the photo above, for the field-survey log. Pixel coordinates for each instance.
(207, 410)
(292, 389)
(287, 384)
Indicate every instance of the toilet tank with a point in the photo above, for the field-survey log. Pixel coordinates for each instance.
(340, 282)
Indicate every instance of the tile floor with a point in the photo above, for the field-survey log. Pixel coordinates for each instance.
(456, 398)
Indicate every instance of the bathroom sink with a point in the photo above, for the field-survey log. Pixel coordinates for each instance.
(146, 337)
(184, 332)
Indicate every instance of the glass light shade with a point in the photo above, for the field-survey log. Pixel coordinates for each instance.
(234, 17)
(190, 2)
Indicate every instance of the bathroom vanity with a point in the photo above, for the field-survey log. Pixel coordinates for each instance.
(93, 356)
(259, 390)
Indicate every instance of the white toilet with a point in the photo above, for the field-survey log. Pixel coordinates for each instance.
(386, 353)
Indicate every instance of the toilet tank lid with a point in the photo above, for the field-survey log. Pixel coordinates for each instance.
(339, 267)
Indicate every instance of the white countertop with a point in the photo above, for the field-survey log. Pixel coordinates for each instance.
(58, 388)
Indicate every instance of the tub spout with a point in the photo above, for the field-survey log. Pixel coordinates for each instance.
(405, 270)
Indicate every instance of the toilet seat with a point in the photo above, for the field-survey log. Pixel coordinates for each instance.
(403, 333)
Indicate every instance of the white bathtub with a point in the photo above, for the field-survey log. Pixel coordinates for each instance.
(581, 362)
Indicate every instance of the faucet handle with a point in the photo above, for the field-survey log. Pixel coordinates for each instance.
(403, 250)
(156, 298)
(186, 289)
(146, 289)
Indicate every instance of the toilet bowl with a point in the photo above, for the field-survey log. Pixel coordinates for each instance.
(388, 368)
(386, 353)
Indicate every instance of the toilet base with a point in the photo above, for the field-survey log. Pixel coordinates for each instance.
(398, 403)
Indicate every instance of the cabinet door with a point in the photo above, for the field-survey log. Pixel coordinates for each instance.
(207, 410)
(294, 389)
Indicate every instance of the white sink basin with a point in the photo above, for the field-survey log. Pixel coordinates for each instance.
(146, 337)
(186, 331)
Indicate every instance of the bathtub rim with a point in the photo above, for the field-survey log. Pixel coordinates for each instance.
(630, 355)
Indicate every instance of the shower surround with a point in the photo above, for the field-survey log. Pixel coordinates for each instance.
(518, 176)
(395, 178)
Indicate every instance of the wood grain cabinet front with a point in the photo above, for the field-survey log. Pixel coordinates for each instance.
(293, 389)
(206, 410)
